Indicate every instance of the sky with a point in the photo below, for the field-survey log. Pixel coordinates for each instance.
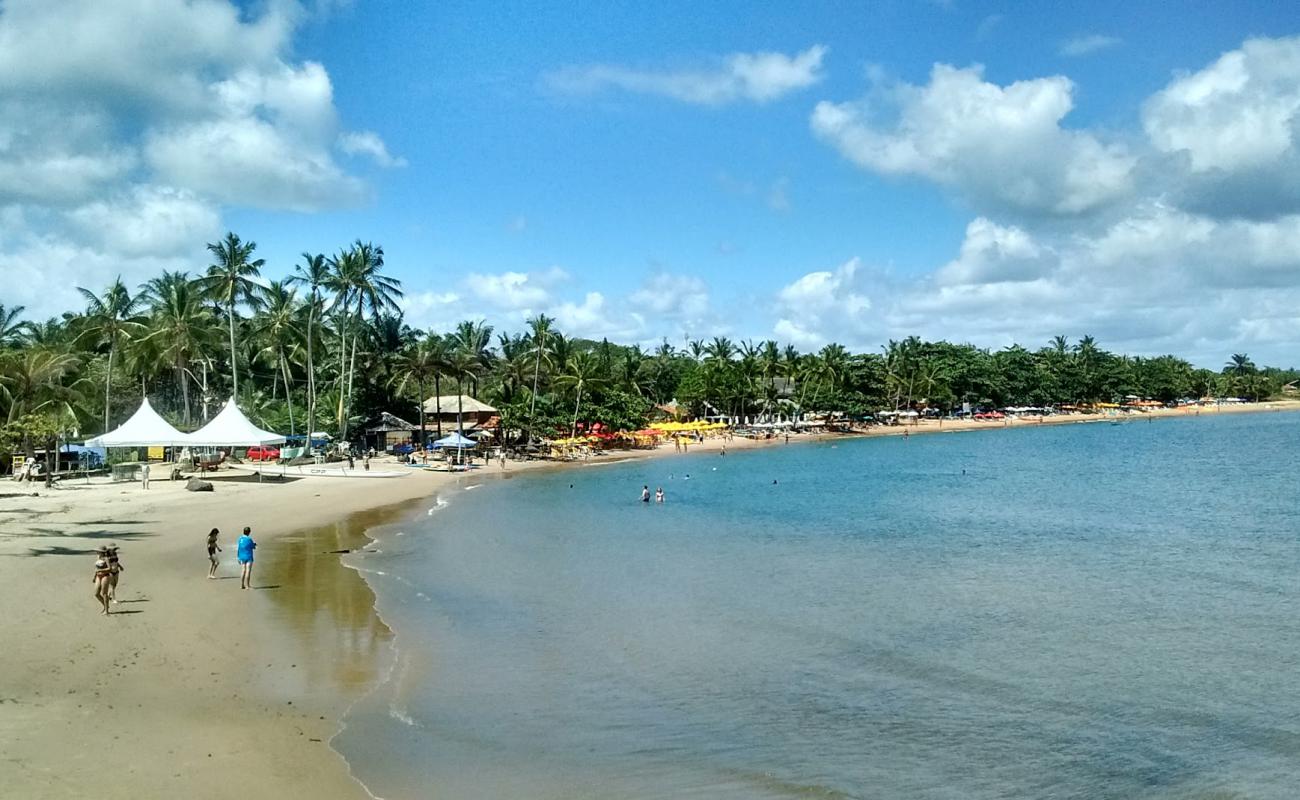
(852, 172)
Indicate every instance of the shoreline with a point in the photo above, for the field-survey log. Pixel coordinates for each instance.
(204, 690)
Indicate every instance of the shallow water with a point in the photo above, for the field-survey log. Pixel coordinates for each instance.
(1090, 611)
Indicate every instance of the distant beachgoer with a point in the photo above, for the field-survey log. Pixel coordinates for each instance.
(645, 494)
(352, 464)
(774, 481)
(244, 552)
(659, 495)
(905, 433)
(787, 438)
(101, 578)
(687, 477)
(365, 462)
(144, 475)
(213, 549)
(115, 570)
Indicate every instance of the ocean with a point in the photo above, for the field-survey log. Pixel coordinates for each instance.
(1078, 611)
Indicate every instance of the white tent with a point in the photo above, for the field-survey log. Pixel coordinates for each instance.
(231, 428)
(144, 429)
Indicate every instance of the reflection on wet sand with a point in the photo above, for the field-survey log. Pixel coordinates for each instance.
(324, 612)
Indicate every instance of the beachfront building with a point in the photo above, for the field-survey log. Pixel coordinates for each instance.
(389, 431)
(445, 409)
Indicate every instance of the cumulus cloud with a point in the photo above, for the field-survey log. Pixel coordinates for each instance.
(825, 305)
(992, 253)
(127, 127)
(1233, 127)
(520, 292)
(1002, 147)
(756, 77)
(1085, 45)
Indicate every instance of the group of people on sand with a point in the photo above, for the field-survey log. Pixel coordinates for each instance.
(108, 571)
(108, 566)
(244, 548)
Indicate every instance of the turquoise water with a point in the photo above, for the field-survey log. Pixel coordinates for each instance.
(1084, 611)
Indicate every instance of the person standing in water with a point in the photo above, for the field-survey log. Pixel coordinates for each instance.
(213, 549)
(115, 570)
(659, 495)
(244, 552)
(645, 494)
(101, 578)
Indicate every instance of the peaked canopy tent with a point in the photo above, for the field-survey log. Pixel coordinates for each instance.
(231, 428)
(145, 428)
(455, 440)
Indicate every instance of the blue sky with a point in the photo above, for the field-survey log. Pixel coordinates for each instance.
(989, 172)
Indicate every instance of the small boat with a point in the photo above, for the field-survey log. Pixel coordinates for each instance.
(317, 471)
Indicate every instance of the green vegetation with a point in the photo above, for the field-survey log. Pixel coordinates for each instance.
(328, 349)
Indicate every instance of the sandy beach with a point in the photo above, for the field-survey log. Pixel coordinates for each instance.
(195, 688)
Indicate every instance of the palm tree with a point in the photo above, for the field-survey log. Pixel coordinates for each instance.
(415, 366)
(373, 291)
(109, 320)
(1239, 365)
(313, 273)
(182, 326)
(277, 325)
(581, 372)
(11, 327)
(34, 381)
(230, 280)
(540, 328)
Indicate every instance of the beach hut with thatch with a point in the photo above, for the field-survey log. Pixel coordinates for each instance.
(388, 431)
(445, 410)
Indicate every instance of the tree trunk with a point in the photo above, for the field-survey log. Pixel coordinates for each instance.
(437, 392)
(420, 401)
(343, 360)
(573, 430)
(311, 369)
(185, 392)
(352, 368)
(288, 396)
(532, 401)
(234, 367)
(108, 382)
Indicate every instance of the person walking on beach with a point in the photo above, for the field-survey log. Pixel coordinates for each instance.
(244, 552)
(659, 495)
(101, 578)
(115, 570)
(144, 475)
(213, 549)
(645, 494)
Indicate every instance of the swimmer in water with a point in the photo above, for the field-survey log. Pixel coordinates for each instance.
(645, 494)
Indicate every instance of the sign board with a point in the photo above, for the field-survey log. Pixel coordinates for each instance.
(155, 453)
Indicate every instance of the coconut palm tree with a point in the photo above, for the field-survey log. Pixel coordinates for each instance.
(109, 320)
(230, 281)
(581, 372)
(277, 326)
(372, 291)
(540, 328)
(415, 366)
(314, 273)
(183, 327)
(1239, 365)
(11, 327)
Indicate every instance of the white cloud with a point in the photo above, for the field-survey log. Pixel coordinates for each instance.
(992, 253)
(522, 292)
(149, 221)
(369, 144)
(757, 77)
(824, 305)
(1085, 45)
(125, 127)
(1003, 148)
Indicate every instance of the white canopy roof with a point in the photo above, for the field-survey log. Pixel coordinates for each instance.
(144, 429)
(231, 428)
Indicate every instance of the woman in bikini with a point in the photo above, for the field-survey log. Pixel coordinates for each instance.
(102, 575)
(213, 549)
(115, 569)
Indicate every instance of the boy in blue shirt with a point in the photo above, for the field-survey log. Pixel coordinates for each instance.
(244, 549)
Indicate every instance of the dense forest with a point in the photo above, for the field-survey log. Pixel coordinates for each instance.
(327, 349)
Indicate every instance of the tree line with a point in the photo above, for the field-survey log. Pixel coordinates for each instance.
(327, 348)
